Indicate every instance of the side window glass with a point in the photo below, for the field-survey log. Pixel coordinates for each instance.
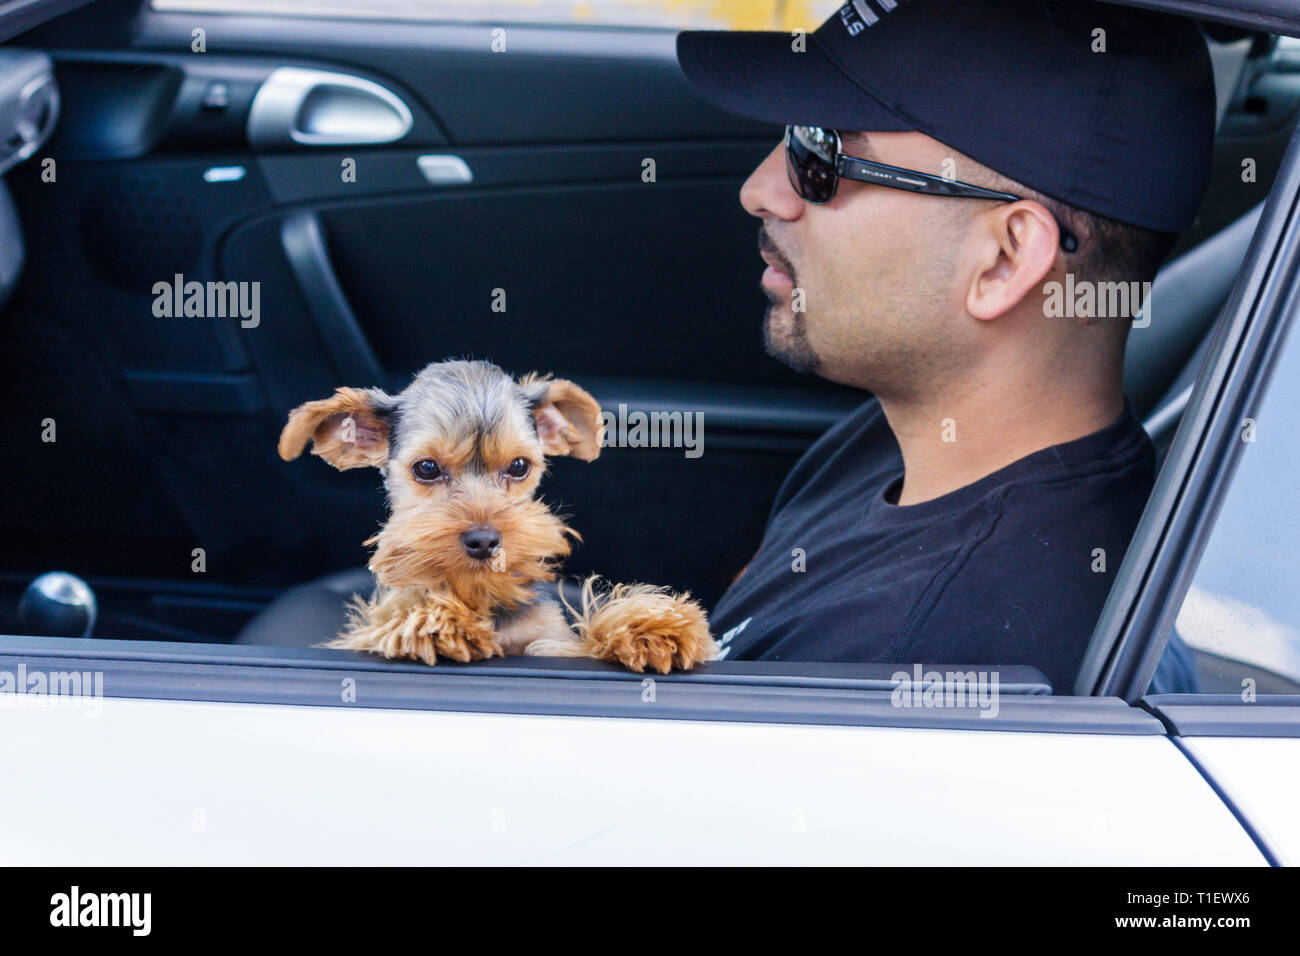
(1241, 617)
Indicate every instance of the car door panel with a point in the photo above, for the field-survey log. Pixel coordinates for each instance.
(232, 783)
(1260, 777)
(1248, 746)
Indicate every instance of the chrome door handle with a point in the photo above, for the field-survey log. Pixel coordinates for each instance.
(322, 108)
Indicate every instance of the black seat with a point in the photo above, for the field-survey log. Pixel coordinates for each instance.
(309, 613)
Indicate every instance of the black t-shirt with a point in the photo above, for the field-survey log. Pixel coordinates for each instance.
(1012, 569)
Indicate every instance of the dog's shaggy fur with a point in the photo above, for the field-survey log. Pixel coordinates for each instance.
(464, 447)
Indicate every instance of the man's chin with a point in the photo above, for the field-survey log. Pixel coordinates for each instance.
(786, 339)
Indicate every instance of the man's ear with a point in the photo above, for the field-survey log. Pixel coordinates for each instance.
(1021, 253)
(568, 420)
(349, 429)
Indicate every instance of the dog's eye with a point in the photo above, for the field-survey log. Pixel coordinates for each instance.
(518, 468)
(426, 469)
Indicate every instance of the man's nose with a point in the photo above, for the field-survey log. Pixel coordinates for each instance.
(480, 541)
(767, 192)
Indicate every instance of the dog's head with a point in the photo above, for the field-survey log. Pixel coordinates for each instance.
(462, 449)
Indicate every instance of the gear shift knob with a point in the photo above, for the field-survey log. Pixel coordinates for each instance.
(58, 604)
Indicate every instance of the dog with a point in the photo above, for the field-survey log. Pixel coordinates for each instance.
(464, 561)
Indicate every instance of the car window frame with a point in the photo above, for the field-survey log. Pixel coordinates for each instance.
(744, 691)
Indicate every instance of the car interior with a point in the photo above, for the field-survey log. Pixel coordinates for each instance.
(384, 183)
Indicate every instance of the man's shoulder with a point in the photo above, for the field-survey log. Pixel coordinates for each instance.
(1045, 563)
(1096, 485)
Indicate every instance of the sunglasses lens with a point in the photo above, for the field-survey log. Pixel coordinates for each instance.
(810, 162)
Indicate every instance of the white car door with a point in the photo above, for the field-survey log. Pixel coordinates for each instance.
(394, 765)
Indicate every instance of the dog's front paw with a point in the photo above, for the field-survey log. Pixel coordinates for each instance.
(645, 627)
(419, 628)
(467, 639)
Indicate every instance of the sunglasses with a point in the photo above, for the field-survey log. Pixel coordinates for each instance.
(814, 163)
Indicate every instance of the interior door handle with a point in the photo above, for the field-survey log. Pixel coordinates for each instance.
(322, 108)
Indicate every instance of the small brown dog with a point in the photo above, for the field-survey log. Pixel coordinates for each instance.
(462, 560)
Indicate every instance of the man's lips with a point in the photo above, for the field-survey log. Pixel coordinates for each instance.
(779, 276)
(775, 275)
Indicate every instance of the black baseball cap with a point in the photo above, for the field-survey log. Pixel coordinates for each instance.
(1107, 108)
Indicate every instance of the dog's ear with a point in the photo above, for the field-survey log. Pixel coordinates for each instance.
(568, 420)
(349, 429)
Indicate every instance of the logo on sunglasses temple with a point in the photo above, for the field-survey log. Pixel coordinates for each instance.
(858, 14)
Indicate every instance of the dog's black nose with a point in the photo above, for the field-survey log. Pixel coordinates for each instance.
(480, 540)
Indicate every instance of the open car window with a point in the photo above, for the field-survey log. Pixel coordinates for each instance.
(182, 188)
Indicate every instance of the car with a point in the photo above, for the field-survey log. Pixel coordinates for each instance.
(214, 210)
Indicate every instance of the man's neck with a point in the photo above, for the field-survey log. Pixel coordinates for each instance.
(955, 439)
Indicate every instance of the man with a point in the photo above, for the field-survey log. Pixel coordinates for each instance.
(955, 160)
